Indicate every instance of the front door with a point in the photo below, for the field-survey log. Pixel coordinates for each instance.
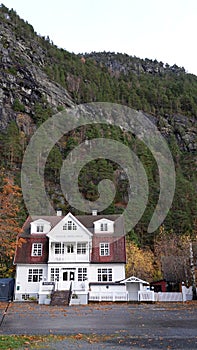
(68, 275)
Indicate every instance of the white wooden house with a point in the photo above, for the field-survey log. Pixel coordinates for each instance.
(85, 253)
(65, 249)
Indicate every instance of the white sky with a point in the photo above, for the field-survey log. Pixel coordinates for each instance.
(154, 29)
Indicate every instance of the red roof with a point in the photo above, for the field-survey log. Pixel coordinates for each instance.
(117, 240)
(23, 251)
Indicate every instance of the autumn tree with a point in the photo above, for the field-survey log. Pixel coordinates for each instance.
(10, 195)
(172, 253)
(140, 262)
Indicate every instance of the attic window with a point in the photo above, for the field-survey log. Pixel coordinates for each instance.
(104, 227)
(40, 228)
(69, 226)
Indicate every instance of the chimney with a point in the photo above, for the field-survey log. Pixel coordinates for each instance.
(59, 212)
(94, 212)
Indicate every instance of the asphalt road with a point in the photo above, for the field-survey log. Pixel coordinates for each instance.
(113, 326)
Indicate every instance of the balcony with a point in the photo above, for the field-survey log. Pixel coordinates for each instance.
(69, 258)
(69, 252)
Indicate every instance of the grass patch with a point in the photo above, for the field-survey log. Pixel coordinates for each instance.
(8, 342)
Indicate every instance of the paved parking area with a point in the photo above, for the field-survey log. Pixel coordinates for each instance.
(117, 326)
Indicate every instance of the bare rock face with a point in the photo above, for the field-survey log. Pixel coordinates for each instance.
(24, 83)
(23, 80)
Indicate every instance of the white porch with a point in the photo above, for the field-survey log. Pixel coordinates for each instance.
(135, 287)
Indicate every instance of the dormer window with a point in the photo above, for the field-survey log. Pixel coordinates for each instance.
(36, 249)
(40, 228)
(69, 226)
(104, 226)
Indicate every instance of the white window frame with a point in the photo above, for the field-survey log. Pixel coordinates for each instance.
(69, 226)
(104, 274)
(40, 228)
(35, 275)
(36, 249)
(55, 274)
(104, 226)
(104, 249)
(81, 248)
(82, 274)
(59, 248)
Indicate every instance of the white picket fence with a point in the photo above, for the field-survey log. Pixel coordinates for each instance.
(185, 295)
(105, 296)
(167, 296)
(146, 296)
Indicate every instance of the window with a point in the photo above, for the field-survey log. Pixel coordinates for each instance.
(81, 248)
(104, 249)
(35, 275)
(36, 249)
(40, 228)
(104, 227)
(59, 248)
(70, 226)
(104, 275)
(82, 273)
(70, 248)
(55, 274)
(25, 296)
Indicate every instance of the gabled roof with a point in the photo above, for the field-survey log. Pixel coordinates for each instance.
(64, 219)
(86, 220)
(116, 240)
(133, 279)
(40, 220)
(103, 220)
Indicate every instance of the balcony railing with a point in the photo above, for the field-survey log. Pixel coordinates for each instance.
(69, 258)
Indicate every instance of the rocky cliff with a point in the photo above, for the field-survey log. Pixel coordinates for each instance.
(37, 78)
(23, 80)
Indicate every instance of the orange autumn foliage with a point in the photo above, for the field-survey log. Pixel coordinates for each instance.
(9, 227)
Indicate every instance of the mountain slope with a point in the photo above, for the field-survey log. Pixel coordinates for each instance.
(38, 79)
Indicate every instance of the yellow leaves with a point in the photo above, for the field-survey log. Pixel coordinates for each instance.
(140, 262)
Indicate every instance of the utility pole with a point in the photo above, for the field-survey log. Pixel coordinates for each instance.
(192, 266)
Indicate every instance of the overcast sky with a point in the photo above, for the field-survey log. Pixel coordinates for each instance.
(154, 29)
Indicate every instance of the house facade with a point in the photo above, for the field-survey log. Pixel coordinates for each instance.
(70, 252)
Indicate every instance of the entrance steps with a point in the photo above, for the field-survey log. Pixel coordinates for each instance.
(61, 297)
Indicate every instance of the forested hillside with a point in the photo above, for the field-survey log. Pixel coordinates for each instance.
(39, 79)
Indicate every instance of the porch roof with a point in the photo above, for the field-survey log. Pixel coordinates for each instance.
(134, 279)
(105, 283)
